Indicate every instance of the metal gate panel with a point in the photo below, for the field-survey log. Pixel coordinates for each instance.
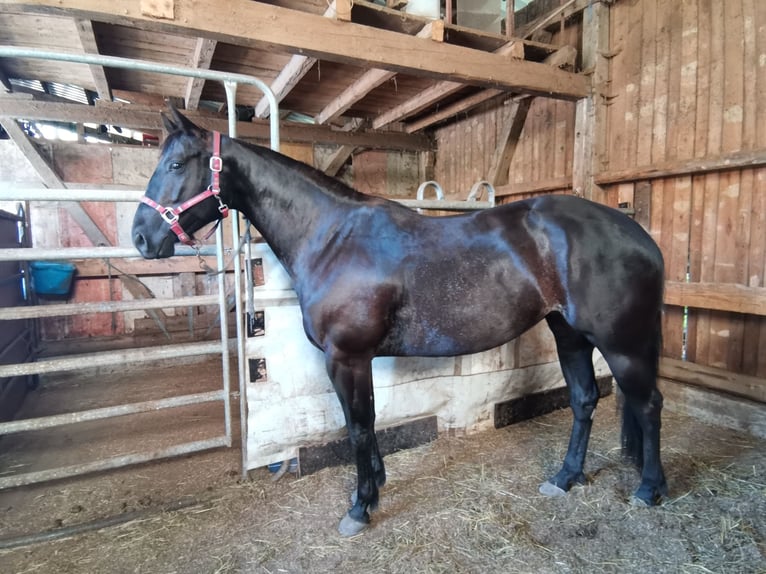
(230, 82)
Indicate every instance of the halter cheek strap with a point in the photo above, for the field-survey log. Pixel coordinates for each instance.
(171, 214)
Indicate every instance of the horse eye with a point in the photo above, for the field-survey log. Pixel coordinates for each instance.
(176, 165)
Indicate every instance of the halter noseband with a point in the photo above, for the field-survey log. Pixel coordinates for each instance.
(171, 214)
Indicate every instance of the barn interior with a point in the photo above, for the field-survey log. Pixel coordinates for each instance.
(132, 371)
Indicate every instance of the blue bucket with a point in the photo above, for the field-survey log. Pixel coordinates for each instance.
(51, 278)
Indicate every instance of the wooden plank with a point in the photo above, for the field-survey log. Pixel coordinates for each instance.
(755, 329)
(361, 87)
(632, 64)
(291, 74)
(662, 201)
(750, 218)
(95, 268)
(540, 403)
(711, 21)
(542, 186)
(90, 46)
(258, 24)
(619, 86)
(757, 273)
(39, 163)
(391, 439)
(683, 92)
(714, 408)
(500, 164)
(753, 388)
(678, 168)
(201, 58)
(725, 329)
(646, 90)
(701, 105)
(590, 114)
(432, 95)
(718, 296)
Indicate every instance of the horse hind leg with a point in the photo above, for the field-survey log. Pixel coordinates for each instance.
(576, 359)
(636, 376)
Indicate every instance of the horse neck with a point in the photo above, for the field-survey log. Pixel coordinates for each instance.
(291, 211)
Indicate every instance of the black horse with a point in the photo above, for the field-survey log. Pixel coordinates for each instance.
(365, 270)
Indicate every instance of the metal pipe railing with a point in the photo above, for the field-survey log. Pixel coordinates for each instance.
(40, 423)
(47, 254)
(111, 463)
(112, 358)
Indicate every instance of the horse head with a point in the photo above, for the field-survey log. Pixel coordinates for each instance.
(183, 192)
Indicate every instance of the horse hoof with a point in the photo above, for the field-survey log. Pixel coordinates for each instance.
(550, 489)
(350, 526)
(637, 502)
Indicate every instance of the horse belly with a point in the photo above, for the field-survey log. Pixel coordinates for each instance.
(459, 321)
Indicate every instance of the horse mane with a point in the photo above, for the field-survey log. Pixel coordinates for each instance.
(314, 177)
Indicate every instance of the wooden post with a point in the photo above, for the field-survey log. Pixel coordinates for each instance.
(590, 115)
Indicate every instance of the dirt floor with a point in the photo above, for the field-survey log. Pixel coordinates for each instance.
(459, 504)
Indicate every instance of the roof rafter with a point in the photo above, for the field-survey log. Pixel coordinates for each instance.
(438, 91)
(202, 58)
(368, 82)
(90, 46)
(290, 75)
(563, 57)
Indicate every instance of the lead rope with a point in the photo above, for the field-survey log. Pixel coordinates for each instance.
(209, 270)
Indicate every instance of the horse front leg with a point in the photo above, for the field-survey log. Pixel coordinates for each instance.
(352, 379)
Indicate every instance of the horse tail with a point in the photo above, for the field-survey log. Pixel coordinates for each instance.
(632, 434)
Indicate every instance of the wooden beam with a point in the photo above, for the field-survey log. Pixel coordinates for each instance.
(565, 56)
(202, 58)
(343, 10)
(453, 110)
(265, 26)
(717, 296)
(149, 119)
(90, 46)
(7, 86)
(361, 87)
(30, 151)
(506, 146)
(141, 267)
(753, 388)
(735, 160)
(336, 160)
(543, 186)
(590, 112)
(431, 95)
(290, 75)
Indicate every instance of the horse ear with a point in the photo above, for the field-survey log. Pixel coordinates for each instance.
(180, 121)
(170, 126)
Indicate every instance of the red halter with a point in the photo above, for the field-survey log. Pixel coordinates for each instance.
(171, 214)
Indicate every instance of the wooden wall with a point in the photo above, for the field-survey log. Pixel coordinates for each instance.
(685, 102)
(688, 82)
(543, 155)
